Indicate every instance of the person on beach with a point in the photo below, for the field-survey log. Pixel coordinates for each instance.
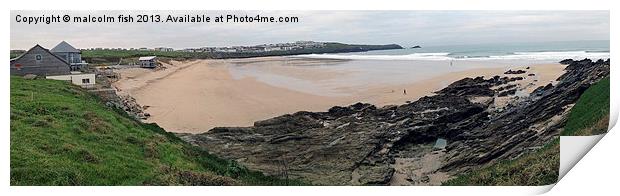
(404, 91)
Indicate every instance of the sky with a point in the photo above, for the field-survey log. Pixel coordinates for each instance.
(407, 28)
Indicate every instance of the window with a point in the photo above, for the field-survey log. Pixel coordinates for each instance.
(38, 57)
(86, 81)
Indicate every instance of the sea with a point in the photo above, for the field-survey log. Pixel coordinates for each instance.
(536, 51)
(403, 66)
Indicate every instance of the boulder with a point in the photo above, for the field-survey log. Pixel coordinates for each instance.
(514, 72)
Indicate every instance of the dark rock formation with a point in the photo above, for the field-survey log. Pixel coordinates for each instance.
(514, 72)
(566, 61)
(507, 87)
(529, 123)
(507, 92)
(360, 143)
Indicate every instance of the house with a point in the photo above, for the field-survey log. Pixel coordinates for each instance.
(70, 54)
(41, 62)
(148, 61)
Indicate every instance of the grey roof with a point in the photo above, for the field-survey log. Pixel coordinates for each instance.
(44, 49)
(146, 58)
(64, 47)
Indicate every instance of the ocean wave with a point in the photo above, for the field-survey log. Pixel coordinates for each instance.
(442, 56)
(414, 56)
(551, 55)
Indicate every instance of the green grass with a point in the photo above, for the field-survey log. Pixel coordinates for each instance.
(590, 115)
(63, 135)
(16, 53)
(533, 169)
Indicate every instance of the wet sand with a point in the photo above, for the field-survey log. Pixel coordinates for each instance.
(193, 97)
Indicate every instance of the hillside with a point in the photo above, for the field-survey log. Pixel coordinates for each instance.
(589, 116)
(62, 135)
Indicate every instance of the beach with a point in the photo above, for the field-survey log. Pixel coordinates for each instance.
(196, 96)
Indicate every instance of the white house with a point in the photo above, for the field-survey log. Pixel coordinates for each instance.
(148, 61)
(85, 80)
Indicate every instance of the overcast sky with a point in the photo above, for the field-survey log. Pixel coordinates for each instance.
(406, 28)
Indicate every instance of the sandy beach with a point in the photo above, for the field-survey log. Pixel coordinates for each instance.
(196, 96)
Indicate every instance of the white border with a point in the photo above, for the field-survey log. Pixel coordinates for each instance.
(596, 174)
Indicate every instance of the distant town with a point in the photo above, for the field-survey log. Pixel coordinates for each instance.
(298, 45)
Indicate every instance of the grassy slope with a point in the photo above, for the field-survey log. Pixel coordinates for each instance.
(589, 116)
(533, 169)
(62, 135)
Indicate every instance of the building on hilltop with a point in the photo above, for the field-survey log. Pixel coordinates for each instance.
(41, 62)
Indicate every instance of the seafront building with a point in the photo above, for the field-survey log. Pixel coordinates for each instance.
(70, 54)
(148, 61)
(58, 66)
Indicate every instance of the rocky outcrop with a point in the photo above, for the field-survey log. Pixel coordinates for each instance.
(566, 61)
(123, 102)
(360, 143)
(131, 106)
(528, 123)
(510, 71)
